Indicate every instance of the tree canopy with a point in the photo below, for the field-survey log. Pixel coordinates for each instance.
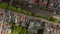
(53, 19)
(12, 8)
(19, 10)
(3, 5)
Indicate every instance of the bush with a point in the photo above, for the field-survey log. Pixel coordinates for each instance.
(30, 13)
(19, 30)
(19, 10)
(25, 12)
(3, 5)
(40, 16)
(36, 15)
(12, 8)
(48, 18)
(53, 19)
(16, 30)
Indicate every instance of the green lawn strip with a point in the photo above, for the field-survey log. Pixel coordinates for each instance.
(16, 30)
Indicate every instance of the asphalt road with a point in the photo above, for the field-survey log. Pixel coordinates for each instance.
(38, 11)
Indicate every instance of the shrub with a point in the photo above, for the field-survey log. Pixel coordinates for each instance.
(48, 18)
(3, 5)
(19, 10)
(40, 16)
(37, 15)
(30, 13)
(53, 19)
(12, 8)
(25, 12)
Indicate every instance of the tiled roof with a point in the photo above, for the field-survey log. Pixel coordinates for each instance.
(45, 2)
(4, 32)
(33, 1)
(8, 32)
(5, 25)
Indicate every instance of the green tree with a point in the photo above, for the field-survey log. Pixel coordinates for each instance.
(40, 16)
(3, 5)
(19, 10)
(25, 12)
(16, 30)
(19, 30)
(24, 31)
(37, 15)
(53, 19)
(12, 8)
(48, 18)
(29, 13)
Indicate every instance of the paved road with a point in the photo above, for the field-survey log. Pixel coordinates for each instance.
(38, 11)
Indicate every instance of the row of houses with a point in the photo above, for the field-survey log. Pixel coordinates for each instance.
(4, 27)
(33, 24)
(26, 21)
(46, 3)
